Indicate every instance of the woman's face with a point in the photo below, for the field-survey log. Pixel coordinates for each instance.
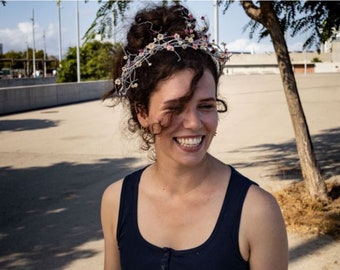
(187, 137)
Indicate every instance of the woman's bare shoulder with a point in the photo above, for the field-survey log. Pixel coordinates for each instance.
(260, 201)
(268, 239)
(110, 209)
(260, 205)
(111, 194)
(109, 219)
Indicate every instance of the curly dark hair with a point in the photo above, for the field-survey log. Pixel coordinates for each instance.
(168, 20)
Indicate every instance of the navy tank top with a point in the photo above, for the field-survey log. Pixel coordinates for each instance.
(220, 251)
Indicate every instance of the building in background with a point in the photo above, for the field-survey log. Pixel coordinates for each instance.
(1, 49)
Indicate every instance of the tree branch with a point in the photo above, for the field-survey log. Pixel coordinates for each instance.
(253, 11)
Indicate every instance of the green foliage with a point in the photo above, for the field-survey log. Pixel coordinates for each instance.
(67, 71)
(17, 59)
(322, 18)
(318, 18)
(95, 62)
(316, 60)
(108, 15)
(11, 56)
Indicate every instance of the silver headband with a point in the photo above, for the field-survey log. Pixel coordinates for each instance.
(170, 43)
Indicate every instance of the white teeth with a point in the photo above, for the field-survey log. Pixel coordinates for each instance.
(189, 142)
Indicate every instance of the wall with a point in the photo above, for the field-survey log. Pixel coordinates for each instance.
(264, 63)
(270, 58)
(251, 69)
(26, 81)
(327, 67)
(24, 98)
(336, 51)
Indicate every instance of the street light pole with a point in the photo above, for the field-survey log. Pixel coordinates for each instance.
(59, 30)
(28, 61)
(34, 67)
(216, 22)
(78, 44)
(44, 54)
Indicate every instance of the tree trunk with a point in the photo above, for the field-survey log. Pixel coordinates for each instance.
(266, 15)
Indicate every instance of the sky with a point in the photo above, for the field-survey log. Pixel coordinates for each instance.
(16, 27)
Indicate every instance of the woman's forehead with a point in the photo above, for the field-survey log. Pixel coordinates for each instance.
(178, 87)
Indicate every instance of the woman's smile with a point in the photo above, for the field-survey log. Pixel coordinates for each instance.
(189, 142)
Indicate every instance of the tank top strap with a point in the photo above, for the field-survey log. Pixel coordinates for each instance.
(232, 209)
(128, 202)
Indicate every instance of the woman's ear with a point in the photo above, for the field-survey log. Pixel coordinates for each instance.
(142, 117)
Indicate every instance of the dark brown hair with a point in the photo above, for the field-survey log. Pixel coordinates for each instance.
(167, 20)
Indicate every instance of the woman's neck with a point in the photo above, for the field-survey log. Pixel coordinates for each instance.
(177, 179)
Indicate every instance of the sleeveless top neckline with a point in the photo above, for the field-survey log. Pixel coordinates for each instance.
(193, 249)
(220, 251)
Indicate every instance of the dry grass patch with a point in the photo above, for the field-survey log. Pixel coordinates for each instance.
(306, 216)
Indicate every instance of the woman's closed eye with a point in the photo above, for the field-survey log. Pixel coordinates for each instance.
(174, 107)
(207, 106)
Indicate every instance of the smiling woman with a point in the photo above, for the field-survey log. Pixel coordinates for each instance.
(185, 210)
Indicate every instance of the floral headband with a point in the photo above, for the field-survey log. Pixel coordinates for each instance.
(161, 42)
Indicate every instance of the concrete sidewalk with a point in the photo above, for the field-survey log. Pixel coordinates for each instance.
(55, 164)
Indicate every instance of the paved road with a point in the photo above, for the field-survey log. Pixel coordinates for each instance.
(55, 164)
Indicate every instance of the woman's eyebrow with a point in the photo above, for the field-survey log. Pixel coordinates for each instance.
(171, 102)
(207, 99)
(177, 101)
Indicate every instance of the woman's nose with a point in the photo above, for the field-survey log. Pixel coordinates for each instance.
(191, 119)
